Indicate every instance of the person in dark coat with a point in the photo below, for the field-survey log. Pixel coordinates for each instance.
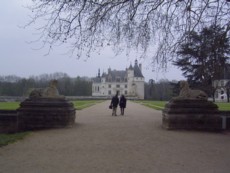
(114, 104)
(122, 104)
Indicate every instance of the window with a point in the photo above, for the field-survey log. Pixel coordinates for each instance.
(109, 92)
(118, 79)
(118, 86)
(109, 85)
(126, 92)
(109, 79)
(125, 86)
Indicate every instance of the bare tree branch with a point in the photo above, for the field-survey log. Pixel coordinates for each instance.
(159, 25)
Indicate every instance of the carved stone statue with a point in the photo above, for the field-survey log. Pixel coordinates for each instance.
(191, 110)
(45, 108)
(51, 91)
(187, 93)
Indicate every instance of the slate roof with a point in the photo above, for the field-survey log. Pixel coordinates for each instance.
(113, 75)
(97, 79)
(137, 71)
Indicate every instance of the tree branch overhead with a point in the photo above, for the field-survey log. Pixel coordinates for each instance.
(144, 25)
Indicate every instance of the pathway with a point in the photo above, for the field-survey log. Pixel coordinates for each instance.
(101, 143)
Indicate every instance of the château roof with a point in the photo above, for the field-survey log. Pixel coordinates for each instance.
(137, 71)
(121, 75)
(130, 67)
(113, 75)
(117, 73)
(97, 79)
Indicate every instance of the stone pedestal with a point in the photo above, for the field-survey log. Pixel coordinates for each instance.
(8, 121)
(191, 114)
(43, 113)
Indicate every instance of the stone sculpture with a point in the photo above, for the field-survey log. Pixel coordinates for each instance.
(45, 108)
(191, 111)
(187, 93)
(50, 92)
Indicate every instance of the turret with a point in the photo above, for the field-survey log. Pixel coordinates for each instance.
(99, 75)
(140, 67)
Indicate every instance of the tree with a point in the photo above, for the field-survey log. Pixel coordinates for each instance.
(227, 87)
(161, 90)
(204, 55)
(151, 82)
(16, 86)
(159, 25)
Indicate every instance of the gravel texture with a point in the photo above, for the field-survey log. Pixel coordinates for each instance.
(133, 143)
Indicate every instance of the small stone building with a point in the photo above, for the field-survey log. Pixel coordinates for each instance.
(129, 82)
(222, 86)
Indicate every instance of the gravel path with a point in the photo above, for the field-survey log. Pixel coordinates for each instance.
(134, 143)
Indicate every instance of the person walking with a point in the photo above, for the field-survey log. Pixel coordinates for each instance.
(114, 104)
(122, 104)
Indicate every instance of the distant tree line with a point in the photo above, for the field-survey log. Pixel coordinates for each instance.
(79, 86)
(162, 90)
(16, 86)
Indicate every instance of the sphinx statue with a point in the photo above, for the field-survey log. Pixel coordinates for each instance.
(45, 108)
(187, 93)
(49, 92)
(191, 110)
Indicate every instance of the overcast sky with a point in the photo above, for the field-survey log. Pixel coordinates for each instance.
(18, 57)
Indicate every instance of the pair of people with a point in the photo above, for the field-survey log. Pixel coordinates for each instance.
(115, 102)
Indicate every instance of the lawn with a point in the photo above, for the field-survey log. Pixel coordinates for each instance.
(9, 105)
(224, 106)
(159, 105)
(79, 104)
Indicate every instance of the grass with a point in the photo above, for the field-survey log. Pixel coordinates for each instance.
(9, 105)
(6, 139)
(79, 104)
(159, 105)
(224, 106)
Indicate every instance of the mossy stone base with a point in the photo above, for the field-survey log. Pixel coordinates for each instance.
(43, 113)
(191, 114)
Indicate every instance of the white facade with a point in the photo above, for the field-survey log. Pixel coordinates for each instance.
(221, 89)
(129, 82)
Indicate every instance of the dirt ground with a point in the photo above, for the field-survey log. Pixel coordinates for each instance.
(133, 143)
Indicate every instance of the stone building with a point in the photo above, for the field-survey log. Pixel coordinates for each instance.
(129, 82)
(222, 86)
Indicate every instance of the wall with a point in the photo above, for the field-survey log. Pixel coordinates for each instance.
(8, 121)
